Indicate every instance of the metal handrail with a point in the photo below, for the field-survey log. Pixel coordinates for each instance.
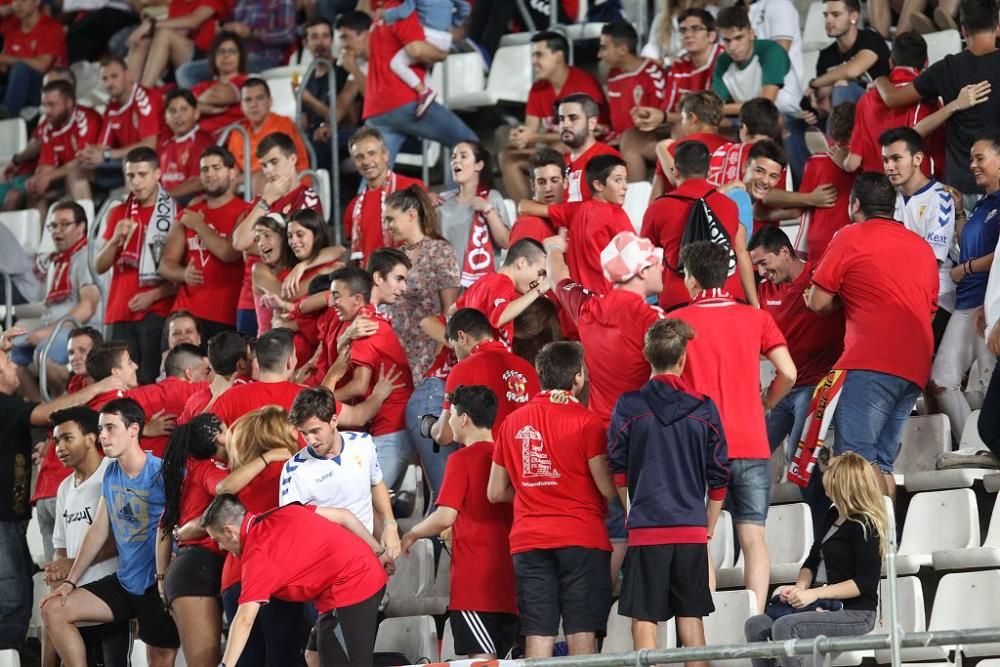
(43, 357)
(247, 175)
(8, 293)
(93, 234)
(334, 215)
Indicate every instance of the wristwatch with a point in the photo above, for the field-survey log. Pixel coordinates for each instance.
(106, 155)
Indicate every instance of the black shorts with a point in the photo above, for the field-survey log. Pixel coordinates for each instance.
(664, 581)
(194, 572)
(156, 628)
(478, 632)
(573, 582)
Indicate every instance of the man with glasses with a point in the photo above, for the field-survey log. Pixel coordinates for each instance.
(71, 292)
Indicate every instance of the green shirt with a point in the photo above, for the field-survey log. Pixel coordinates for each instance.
(769, 65)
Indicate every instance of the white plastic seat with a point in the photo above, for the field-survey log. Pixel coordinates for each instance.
(509, 80)
(284, 72)
(511, 206)
(39, 590)
(619, 637)
(724, 626)
(412, 581)
(910, 594)
(810, 59)
(636, 202)
(789, 536)
(429, 156)
(448, 643)
(34, 539)
(464, 73)
(959, 478)
(973, 557)
(282, 96)
(814, 36)
(924, 437)
(415, 637)
(139, 657)
(721, 550)
(581, 31)
(941, 44)
(322, 183)
(10, 658)
(26, 226)
(937, 521)
(13, 137)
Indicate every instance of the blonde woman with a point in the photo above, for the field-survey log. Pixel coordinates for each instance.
(843, 567)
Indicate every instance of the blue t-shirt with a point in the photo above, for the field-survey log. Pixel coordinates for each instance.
(745, 206)
(979, 237)
(135, 506)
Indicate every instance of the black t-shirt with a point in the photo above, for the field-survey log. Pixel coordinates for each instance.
(15, 458)
(870, 40)
(945, 79)
(319, 86)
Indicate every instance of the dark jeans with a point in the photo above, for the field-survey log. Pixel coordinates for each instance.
(358, 625)
(22, 88)
(989, 418)
(15, 584)
(246, 322)
(88, 37)
(490, 20)
(144, 340)
(276, 637)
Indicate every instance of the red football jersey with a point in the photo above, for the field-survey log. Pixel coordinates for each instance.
(168, 396)
(645, 87)
(685, 77)
(180, 157)
(46, 38)
(491, 295)
(127, 123)
(543, 96)
(242, 399)
(197, 492)
(577, 187)
(385, 91)
(60, 145)
(591, 224)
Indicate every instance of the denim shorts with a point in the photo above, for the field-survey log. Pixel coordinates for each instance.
(749, 491)
(871, 413)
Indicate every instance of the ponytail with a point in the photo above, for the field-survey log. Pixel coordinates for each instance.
(415, 198)
(194, 440)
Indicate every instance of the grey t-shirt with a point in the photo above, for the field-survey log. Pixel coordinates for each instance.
(79, 275)
(456, 220)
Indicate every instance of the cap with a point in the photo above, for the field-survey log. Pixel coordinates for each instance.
(626, 255)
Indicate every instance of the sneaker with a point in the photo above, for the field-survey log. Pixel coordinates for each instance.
(425, 101)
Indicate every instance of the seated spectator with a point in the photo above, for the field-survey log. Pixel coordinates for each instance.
(666, 220)
(68, 127)
(547, 168)
(261, 122)
(133, 118)
(633, 82)
(854, 60)
(180, 153)
(578, 117)
(555, 79)
(551, 460)
(752, 67)
(980, 61)
(139, 299)
(155, 47)
(94, 23)
(70, 292)
(474, 218)
(199, 256)
(591, 224)
(664, 41)
(267, 28)
(219, 96)
(25, 286)
(33, 43)
(885, 278)
(364, 217)
(701, 116)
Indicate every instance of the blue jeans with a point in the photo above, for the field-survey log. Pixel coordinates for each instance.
(276, 637)
(427, 399)
(394, 451)
(23, 88)
(196, 71)
(852, 92)
(787, 419)
(438, 124)
(870, 416)
(24, 354)
(795, 146)
(749, 490)
(15, 584)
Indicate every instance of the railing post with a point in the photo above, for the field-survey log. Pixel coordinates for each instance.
(890, 571)
(247, 175)
(43, 357)
(8, 296)
(335, 215)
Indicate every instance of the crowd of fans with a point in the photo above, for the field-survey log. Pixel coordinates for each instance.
(238, 396)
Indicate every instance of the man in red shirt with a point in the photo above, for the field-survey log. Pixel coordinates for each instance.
(67, 129)
(547, 168)
(304, 554)
(886, 279)
(482, 607)
(199, 256)
(550, 460)
(134, 237)
(33, 42)
(666, 218)
(228, 358)
(133, 118)
(633, 82)
(591, 224)
(820, 223)
(483, 360)
(180, 152)
(578, 117)
(723, 362)
(554, 79)
(363, 223)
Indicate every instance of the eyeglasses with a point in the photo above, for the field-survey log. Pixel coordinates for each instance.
(692, 29)
(231, 51)
(59, 226)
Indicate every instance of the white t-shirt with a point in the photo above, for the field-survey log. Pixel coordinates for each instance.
(779, 19)
(930, 213)
(992, 303)
(75, 510)
(344, 481)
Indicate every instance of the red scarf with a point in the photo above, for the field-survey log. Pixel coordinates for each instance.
(357, 227)
(60, 289)
(479, 258)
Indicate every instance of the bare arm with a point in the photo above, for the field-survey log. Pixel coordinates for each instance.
(441, 432)
(433, 524)
(358, 386)
(346, 519)
(499, 489)
(40, 64)
(784, 379)
(968, 97)
(424, 52)
(382, 505)
(171, 266)
(40, 415)
(820, 301)
(239, 632)
(744, 266)
(531, 207)
(219, 95)
(896, 96)
(852, 69)
(601, 475)
(237, 480)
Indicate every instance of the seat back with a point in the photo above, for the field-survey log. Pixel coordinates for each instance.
(941, 44)
(510, 75)
(26, 226)
(10, 658)
(448, 643)
(636, 202)
(924, 437)
(970, 431)
(967, 600)
(789, 533)
(13, 137)
(619, 637)
(282, 96)
(814, 36)
(463, 73)
(910, 594)
(725, 624)
(938, 520)
(414, 576)
(722, 546)
(413, 636)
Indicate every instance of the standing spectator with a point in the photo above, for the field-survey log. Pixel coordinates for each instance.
(712, 360)
(219, 96)
(547, 169)
(199, 255)
(854, 60)
(474, 217)
(633, 82)
(227, 357)
(25, 286)
(555, 79)
(550, 460)
(139, 299)
(94, 23)
(364, 218)
(267, 27)
(33, 43)
(180, 153)
(482, 606)
(885, 278)
(667, 451)
(133, 118)
(962, 342)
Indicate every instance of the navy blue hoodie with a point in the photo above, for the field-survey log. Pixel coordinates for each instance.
(666, 444)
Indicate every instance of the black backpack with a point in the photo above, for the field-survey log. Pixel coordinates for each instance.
(703, 225)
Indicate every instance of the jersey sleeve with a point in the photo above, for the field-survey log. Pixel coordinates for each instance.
(374, 469)
(500, 455)
(829, 275)
(458, 376)
(594, 439)
(536, 105)
(774, 65)
(455, 486)
(150, 113)
(364, 352)
(572, 295)
(288, 488)
(939, 224)
(561, 215)
(770, 335)
(211, 476)
(54, 43)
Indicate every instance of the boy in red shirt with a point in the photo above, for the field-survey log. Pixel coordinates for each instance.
(593, 223)
(482, 605)
(199, 256)
(725, 365)
(304, 554)
(33, 42)
(181, 151)
(135, 235)
(547, 168)
(550, 460)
